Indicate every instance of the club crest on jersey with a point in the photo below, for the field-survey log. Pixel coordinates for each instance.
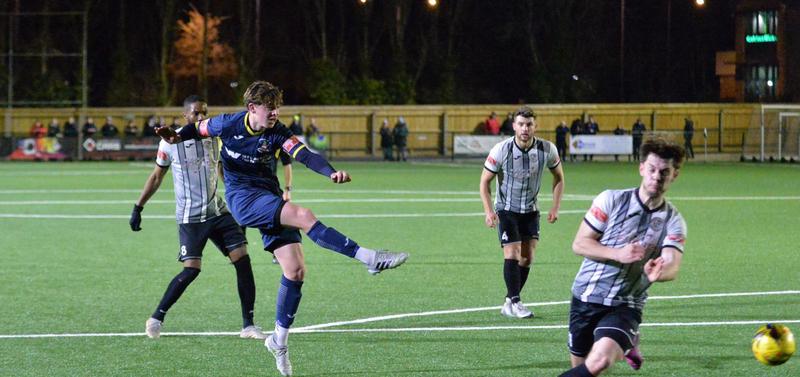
(263, 146)
(656, 224)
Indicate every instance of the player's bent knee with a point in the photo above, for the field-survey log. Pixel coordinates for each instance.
(193, 263)
(237, 253)
(598, 362)
(295, 274)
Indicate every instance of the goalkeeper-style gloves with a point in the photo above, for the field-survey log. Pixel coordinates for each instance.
(136, 218)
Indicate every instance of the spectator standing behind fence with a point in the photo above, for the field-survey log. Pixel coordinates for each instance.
(507, 128)
(53, 129)
(176, 123)
(312, 129)
(109, 129)
(70, 128)
(637, 131)
(492, 124)
(561, 139)
(296, 127)
(618, 131)
(386, 140)
(688, 135)
(37, 129)
(315, 138)
(150, 126)
(131, 129)
(591, 128)
(89, 128)
(575, 129)
(400, 134)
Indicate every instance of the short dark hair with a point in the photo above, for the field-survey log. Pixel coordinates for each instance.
(263, 93)
(665, 149)
(525, 112)
(192, 99)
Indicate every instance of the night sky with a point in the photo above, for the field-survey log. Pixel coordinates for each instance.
(495, 51)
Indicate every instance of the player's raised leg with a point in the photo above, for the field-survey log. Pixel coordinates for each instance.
(329, 238)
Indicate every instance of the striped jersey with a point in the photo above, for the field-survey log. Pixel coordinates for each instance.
(520, 173)
(194, 175)
(620, 217)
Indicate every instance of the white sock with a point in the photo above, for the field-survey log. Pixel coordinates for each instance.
(281, 335)
(366, 256)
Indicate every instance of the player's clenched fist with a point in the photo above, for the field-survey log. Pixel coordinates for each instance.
(340, 176)
(632, 252)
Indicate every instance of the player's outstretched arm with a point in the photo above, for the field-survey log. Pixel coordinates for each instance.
(150, 187)
(317, 163)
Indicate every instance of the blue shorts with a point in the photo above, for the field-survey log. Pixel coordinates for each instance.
(260, 208)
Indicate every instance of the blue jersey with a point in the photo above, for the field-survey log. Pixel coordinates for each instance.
(247, 155)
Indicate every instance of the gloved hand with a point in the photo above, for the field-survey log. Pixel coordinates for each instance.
(136, 218)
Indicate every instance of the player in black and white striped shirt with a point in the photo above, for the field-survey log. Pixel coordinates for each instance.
(201, 215)
(629, 239)
(519, 162)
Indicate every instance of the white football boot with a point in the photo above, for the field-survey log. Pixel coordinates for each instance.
(252, 332)
(153, 328)
(281, 356)
(384, 260)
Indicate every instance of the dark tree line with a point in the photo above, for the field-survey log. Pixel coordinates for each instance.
(379, 52)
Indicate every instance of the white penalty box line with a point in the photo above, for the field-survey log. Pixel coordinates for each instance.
(327, 327)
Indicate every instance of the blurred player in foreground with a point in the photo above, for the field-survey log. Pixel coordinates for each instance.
(629, 239)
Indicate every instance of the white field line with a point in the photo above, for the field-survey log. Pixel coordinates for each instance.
(375, 200)
(323, 328)
(488, 308)
(567, 197)
(322, 216)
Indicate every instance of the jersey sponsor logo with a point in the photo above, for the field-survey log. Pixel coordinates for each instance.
(599, 214)
(491, 161)
(232, 153)
(238, 137)
(290, 144)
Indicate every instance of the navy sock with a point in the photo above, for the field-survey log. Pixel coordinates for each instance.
(523, 276)
(287, 301)
(331, 239)
(175, 290)
(512, 277)
(247, 288)
(579, 371)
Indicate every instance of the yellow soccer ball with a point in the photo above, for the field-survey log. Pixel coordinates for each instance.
(773, 344)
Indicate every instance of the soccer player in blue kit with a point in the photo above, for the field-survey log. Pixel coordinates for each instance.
(249, 141)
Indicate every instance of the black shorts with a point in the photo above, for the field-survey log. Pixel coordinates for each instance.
(222, 230)
(516, 227)
(589, 322)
